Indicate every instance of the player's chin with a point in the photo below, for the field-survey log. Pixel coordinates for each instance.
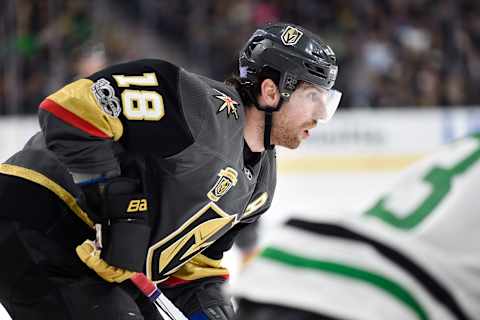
(293, 143)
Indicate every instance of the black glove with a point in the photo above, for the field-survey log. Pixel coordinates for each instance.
(223, 312)
(126, 229)
(202, 299)
(121, 208)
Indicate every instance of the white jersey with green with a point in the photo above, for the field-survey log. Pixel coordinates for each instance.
(414, 254)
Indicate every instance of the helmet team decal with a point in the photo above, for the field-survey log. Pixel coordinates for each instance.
(291, 35)
(228, 103)
(227, 179)
(105, 96)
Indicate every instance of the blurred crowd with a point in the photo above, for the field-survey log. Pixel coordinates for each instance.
(47, 43)
(392, 53)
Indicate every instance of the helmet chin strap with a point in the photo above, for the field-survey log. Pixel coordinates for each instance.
(267, 131)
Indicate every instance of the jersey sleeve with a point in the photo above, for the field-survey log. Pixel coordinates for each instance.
(132, 107)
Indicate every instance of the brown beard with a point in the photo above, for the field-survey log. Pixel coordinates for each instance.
(286, 138)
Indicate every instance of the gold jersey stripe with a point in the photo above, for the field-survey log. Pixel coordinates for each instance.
(44, 181)
(346, 163)
(200, 267)
(77, 97)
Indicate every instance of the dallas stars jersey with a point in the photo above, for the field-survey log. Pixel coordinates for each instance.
(415, 254)
(184, 135)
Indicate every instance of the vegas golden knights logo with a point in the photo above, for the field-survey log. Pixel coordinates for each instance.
(196, 234)
(291, 35)
(227, 179)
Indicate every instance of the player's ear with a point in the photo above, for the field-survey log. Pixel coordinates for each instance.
(269, 93)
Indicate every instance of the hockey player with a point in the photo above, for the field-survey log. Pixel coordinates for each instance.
(146, 167)
(414, 254)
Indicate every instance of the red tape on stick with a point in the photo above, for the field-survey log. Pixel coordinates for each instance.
(144, 284)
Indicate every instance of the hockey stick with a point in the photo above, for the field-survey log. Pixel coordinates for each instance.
(164, 306)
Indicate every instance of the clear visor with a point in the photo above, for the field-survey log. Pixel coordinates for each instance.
(326, 101)
(331, 105)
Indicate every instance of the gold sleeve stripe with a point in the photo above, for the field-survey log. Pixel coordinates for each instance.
(76, 105)
(42, 180)
(200, 267)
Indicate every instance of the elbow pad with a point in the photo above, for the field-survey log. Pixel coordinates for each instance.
(125, 224)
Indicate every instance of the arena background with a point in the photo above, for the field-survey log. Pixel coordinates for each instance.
(409, 71)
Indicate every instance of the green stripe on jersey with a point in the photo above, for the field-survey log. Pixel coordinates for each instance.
(389, 286)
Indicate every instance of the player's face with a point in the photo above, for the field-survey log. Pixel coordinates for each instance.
(299, 115)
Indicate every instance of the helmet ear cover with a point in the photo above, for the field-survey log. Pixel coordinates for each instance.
(250, 88)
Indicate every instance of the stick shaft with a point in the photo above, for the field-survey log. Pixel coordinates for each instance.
(166, 308)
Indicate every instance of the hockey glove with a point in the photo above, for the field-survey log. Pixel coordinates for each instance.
(224, 312)
(125, 229)
(90, 255)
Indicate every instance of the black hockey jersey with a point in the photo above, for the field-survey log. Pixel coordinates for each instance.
(184, 133)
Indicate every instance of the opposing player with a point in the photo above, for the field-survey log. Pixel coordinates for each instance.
(413, 255)
(146, 167)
